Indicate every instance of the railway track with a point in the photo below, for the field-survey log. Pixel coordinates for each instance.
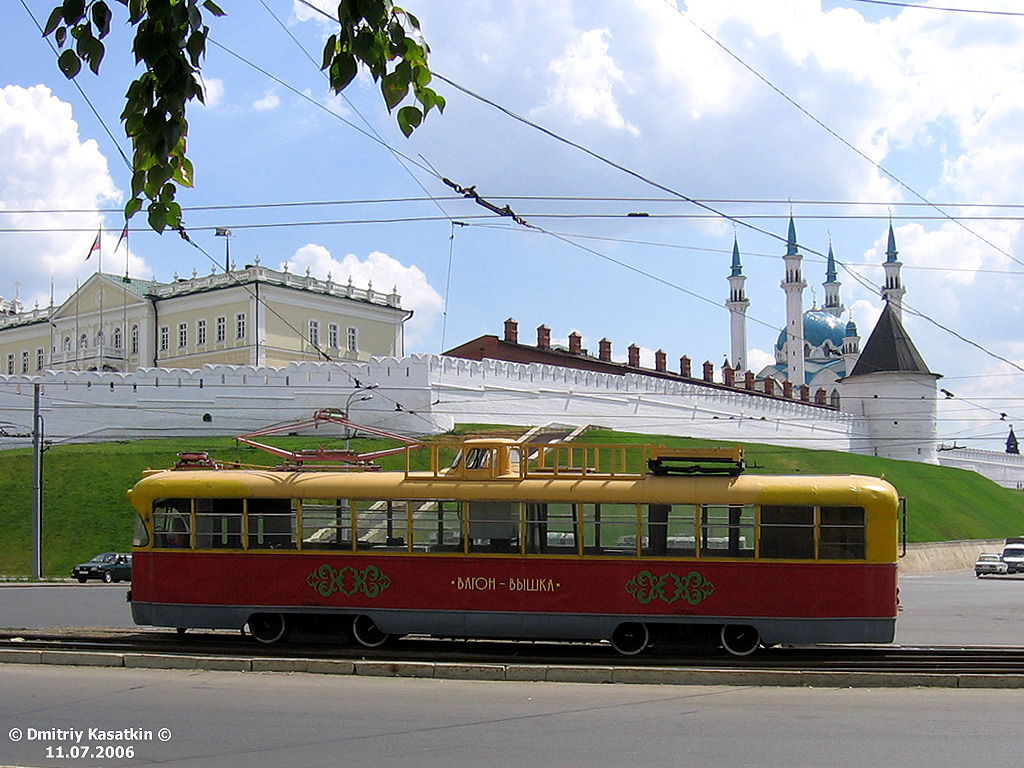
(871, 665)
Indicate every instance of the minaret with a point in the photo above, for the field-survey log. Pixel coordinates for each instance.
(893, 290)
(737, 306)
(794, 286)
(851, 347)
(833, 304)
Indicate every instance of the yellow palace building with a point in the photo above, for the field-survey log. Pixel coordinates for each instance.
(253, 316)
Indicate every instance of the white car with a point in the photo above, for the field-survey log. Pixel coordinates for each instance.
(989, 563)
(1013, 556)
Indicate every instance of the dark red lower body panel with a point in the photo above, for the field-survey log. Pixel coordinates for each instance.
(525, 596)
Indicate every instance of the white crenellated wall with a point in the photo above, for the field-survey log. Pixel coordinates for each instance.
(492, 391)
(84, 406)
(419, 394)
(1007, 469)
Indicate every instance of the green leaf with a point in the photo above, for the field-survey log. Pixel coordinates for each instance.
(343, 69)
(213, 8)
(395, 87)
(56, 15)
(132, 207)
(69, 63)
(330, 49)
(73, 11)
(157, 217)
(409, 118)
(101, 17)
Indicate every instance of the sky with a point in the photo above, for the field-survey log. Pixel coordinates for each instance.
(719, 119)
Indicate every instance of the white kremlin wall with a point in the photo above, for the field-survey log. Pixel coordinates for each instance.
(428, 394)
(416, 395)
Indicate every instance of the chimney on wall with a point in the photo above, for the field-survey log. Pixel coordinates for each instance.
(511, 331)
(543, 337)
(575, 343)
(659, 361)
(709, 371)
(685, 368)
(634, 356)
(605, 350)
(728, 376)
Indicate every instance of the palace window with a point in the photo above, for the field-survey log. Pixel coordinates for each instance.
(222, 330)
(200, 333)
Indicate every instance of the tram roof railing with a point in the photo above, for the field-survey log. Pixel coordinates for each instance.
(502, 459)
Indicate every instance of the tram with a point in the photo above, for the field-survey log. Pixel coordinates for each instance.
(637, 545)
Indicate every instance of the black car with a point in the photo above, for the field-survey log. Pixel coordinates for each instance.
(108, 566)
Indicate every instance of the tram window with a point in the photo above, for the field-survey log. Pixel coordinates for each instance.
(326, 524)
(609, 529)
(669, 530)
(172, 523)
(842, 533)
(479, 458)
(551, 529)
(727, 531)
(218, 524)
(436, 526)
(494, 526)
(382, 524)
(787, 532)
(272, 523)
(140, 537)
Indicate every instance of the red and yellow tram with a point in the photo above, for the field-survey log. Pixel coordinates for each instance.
(518, 541)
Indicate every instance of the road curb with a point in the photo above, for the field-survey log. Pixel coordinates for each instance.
(557, 673)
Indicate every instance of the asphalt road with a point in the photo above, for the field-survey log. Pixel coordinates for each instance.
(253, 719)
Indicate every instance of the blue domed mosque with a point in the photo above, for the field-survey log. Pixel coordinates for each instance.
(818, 347)
(887, 383)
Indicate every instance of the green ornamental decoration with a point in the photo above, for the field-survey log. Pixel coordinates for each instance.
(348, 581)
(646, 587)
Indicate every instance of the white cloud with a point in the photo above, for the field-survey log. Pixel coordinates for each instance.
(45, 166)
(213, 92)
(586, 77)
(758, 359)
(385, 274)
(269, 101)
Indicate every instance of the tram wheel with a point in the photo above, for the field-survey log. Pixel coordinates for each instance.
(630, 638)
(267, 627)
(366, 633)
(740, 640)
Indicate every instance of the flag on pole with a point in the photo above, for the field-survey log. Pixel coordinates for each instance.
(95, 245)
(124, 234)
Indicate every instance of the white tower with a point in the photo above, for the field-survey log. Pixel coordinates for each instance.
(737, 306)
(794, 286)
(893, 290)
(893, 389)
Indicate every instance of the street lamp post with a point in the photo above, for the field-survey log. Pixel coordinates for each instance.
(357, 396)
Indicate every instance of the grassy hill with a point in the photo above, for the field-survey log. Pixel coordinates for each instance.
(85, 510)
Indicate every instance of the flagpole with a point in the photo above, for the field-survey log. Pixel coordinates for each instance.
(102, 336)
